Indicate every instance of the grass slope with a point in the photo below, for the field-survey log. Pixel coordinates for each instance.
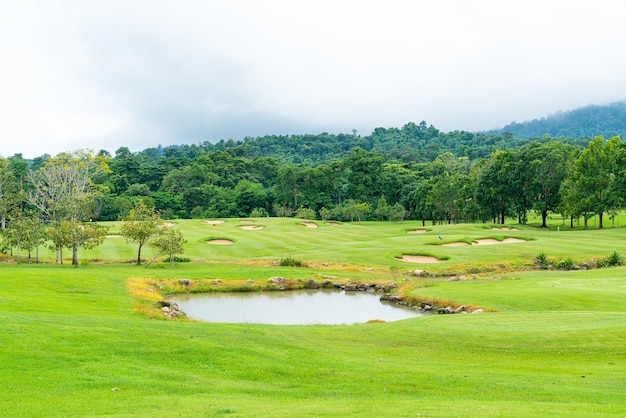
(71, 344)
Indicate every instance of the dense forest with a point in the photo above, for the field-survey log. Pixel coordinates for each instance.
(416, 172)
(584, 122)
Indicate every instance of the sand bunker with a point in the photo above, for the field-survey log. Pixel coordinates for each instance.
(113, 236)
(419, 259)
(416, 231)
(251, 227)
(454, 244)
(504, 228)
(220, 242)
(213, 222)
(332, 224)
(167, 224)
(309, 224)
(495, 241)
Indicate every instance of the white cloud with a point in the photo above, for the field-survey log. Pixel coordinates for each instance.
(104, 74)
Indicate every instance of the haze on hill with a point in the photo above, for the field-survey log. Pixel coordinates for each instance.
(106, 74)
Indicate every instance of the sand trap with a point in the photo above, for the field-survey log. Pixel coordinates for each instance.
(495, 241)
(454, 244)
(213, 222)
(251, 227)
(332, 224)
(113, 236)
(220, 242)
(167, 224)
(505, 229)
(416, 231)
(419, 259)
(309, 224)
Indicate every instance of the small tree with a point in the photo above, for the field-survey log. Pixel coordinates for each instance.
(397, 213)
(141, 224)
(305, 213)
(169, 241)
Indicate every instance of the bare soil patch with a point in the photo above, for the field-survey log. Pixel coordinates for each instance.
(220, 242)
(419, 259)
(309, 224)
(416, 231)
(113, 236)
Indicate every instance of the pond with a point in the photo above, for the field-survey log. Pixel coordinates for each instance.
(301, 307)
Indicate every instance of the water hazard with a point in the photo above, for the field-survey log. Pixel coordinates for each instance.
(302, 307)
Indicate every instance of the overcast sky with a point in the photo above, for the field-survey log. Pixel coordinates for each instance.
(104, 74)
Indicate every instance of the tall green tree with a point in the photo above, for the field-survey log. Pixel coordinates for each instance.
(141, 224)
(63, 190)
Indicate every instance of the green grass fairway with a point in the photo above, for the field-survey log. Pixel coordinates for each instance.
(72, 344)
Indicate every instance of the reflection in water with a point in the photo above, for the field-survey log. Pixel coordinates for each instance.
(290, 308)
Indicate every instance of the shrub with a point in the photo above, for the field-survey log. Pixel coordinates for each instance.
(305, 213)
(542, 260)
(614, 259)
(258, 213)
(177, 259)
(292, 262)
(567, 264)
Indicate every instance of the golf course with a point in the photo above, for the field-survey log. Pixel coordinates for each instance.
(91, 340)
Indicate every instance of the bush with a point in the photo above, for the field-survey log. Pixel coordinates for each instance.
(567, 264)
(305, 213)
(542, 260)
(292, 262)
(614, 259)
(177, 259)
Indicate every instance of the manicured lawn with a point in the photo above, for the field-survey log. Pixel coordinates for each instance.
(71, 343)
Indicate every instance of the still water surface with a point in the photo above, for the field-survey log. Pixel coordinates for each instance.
(304, 307)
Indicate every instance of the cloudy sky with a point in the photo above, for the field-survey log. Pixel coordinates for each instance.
(104, 74)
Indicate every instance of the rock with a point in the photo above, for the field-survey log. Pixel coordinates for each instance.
(277, 280)
(166, 309)
(416, 273)
(249, 282)
(363, 286)
(392, 285)
(478, 311)
(216, 281)
(185, 282)
(454, 279)
(460, 309)
(312, 284)
(350, 287)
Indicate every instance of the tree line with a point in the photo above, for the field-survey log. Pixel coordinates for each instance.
(58, 200)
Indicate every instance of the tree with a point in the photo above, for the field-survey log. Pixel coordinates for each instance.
(397, 213)
(382, 210)
(63, 190)
(589, 185)
(141, 224)
(169, 241)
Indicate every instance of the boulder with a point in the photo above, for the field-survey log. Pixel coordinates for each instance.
(185, 282)
(312, 284)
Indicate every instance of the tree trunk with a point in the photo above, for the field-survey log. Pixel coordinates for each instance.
(600, 226)
(75, 254)
(58, 256)
(544, 216)
(139, 255)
